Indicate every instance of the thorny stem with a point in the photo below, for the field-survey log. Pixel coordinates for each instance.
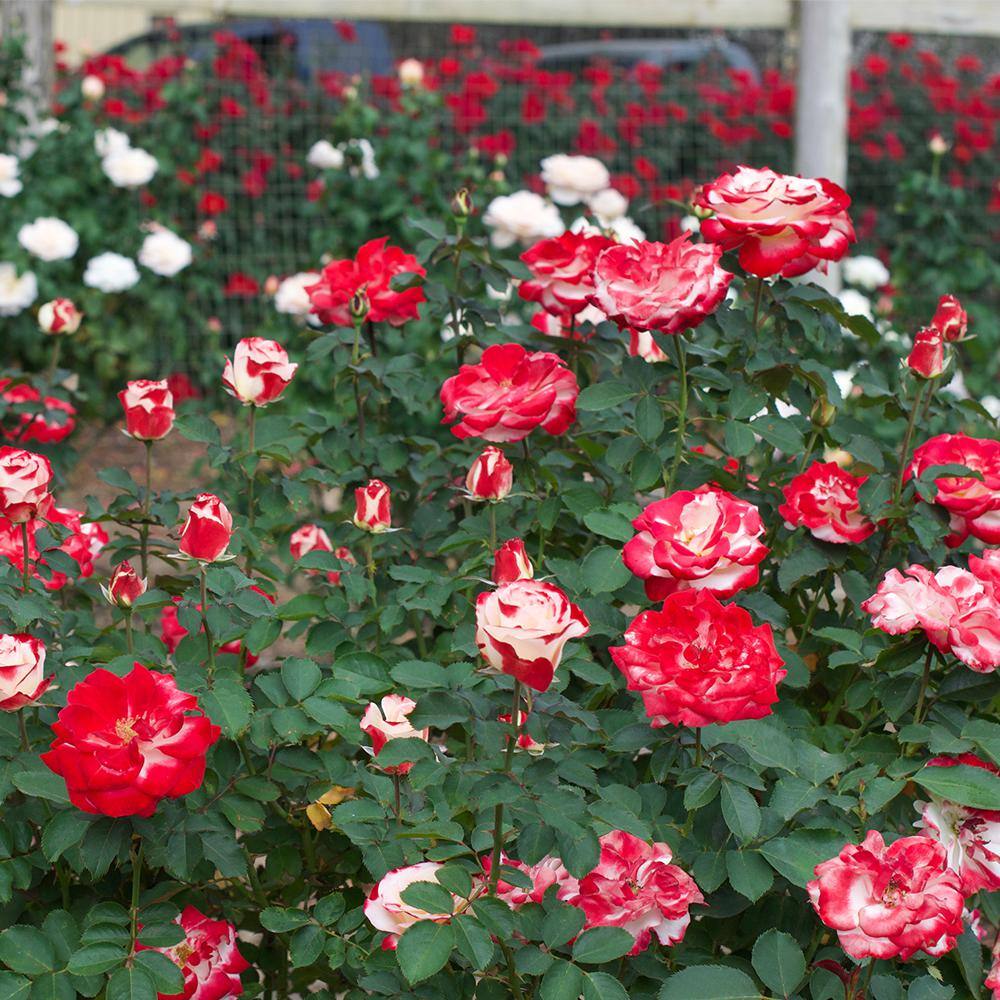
(904, 452)
(25, 557)
(355, 358)
(397, 798)
(682, 405)
(493, 527)
(756, 302)
(137, 854)
(23, 726)
(251, 510)
(204, 617)
(129, 644)
(515, 721)
(146, 505)
(697, 747)
(924, 681)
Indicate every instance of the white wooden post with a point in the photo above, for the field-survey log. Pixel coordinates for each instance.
(33, 20)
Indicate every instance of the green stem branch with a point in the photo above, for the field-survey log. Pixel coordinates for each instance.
(508, 757)
(25, 557)
(682, 406)
(147, 498)
(209, 641)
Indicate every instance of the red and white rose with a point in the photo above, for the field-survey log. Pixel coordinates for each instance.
(562, 272)
(25, 480)
(385, 909)
(208, 529)
(491, 476)
(372, 507)
(511, 562)
(22, 671)
(149, 409)
(389, 720)
(824, 499)
(259, 371)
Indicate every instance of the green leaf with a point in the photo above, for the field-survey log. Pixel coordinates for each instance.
(797, 855)
(300, 677)
(229, 706)
(96, 958)
(740, 811)
(41, 784)
(27, 950)
(306, 946)
(604, 396)
(53, 986)
(603, 570)
(778, 960)
(424, 949)
(701, 791)
(649, 419)
(601, 986)
(473, 941)
(496, 915)
(602, 944)
(429, 897)
(275, 919)
(562, 981)
(803, 561)
(561, 924)
(709, 982)
(13, 987)
(749, 874)
(131, 984)
(963, 783)
(609, 524)
(167, 978)
(739, 439)
(63, 831)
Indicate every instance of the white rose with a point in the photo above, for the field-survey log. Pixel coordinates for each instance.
(572, 179)
(325, 156)
(130, 168)
(367, 168)
(855, 304)
(110, 272)
(522, 217)
(866, 272)
(49, 239)
(10, 182)
(165, 253)
(110, 140)
(691, 224)
(411, 72)
(385, 908)
(608, 205)
(991, 404)
(624, 230)
(16, 293)
(291, 296)
(92, 87)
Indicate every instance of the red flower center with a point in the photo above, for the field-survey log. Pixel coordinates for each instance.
(895, 892)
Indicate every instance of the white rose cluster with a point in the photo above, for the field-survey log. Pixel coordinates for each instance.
(573, 179)
(358, 154)
(10, 180)
(125, 165)
(522, 217)
(17, 292)
(865, 272)
(48, 238)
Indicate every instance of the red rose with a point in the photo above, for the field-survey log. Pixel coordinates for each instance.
(781, 224)
(950, 319)
(258, 373)
(510, 393)
(124, 743)
(511, 562)
(462, 34)
(491, 476)
(635, 887)
(60, 316)
(25, 479)
(562, 280)
(125, 587)
(240, 286)
(212, 203)
(50, 424)
(824, 499)
(389, 720)
(974, 504)
(927, 357)
(703, 539)
(668, 287)
(149, 409)
(523, 627)
(697, 662)
(371, 271)
(208, 529)
(22, 671)
(888, 902)
(208, 957)
(372, 507)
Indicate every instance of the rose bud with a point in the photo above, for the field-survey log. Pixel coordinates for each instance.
(461, 203)
(491, 476)
(950, 319)
(24, 485)
(126, 586)
(92, 87)
(511, 562)
(207, 530)
(22, 671)
(258, 373)
(149, 409)
(389, 720)
(926, 360)
(411, 72)
(372, 507)
(59, 316)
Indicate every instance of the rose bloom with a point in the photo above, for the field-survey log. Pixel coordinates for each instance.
(642, 344)
(259, 371)
(974, 504)
(703, 539)
(312, 538)
(386, 910)
(22, 671)
(372, 507)
(165, 253)
(781, 224)
(59, 316)
(110, 140)
(866, 272)
(547, 872)
(635, 887)
(926, 359)
(388, 720)
(17, 292)
(608, 205)
(208, 957)
(325, 156)
(572, 179)
(25, 479)
(410, 72)
(50, 424)
(562, 272)
(697, 662)
(509, 393)
(511, 562)
(889, 901)
(111, 272)
(124, 743)
(49, 239)
(10, 181)
(491, 476)
(824, 499)
(993, 976)
(129, 168)
(970, 837)
(522, 628)
(149, 409)
(208, 529)
(172, 631)
(125, 586)
(292, 296)
(522, 217)
(950, 319)
(92, 87)
(668, 287)
(372, 271)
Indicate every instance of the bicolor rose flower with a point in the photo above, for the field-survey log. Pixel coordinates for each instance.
(124, 743)
(22, 671)
(970, 837)
(703, 539)
(149, 409)
(950, 319)
(781, 224)
(697, 662)
(389, 720)
(635, 887)
(172, 631)
(372, 507)
(572, 179)
(81, 541)
(125, 586)
(889, 901)
(25, 479)
(386, 910)
(208, 529)
(59, 316)
(525, 741)
(509, 393)
(642, 344)
(491, 476)
(974, 504)
(523, 627)
(522, 217)
(511, 562)
(562, 272)
(824, 499)
(667, 287)
(371, 271)
(547, 872)
(312, 538)
(208, 957)
(259, 371)
(51, 421)
(926, 359)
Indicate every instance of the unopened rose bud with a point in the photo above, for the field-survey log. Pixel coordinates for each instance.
(350, 93)
(823, 412)
(125, 587)
(838, 455)
(926, 360)
(259, 371)
(149, 409)
(92, 87)
(208, 230)
(372, 505)
(214, 324)
(59, 316)
(950, 319)
(511, 562)
(208, 529)
(491, 476)
(461, 204)
(411, 72)
(360, 306)
(938, 145)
